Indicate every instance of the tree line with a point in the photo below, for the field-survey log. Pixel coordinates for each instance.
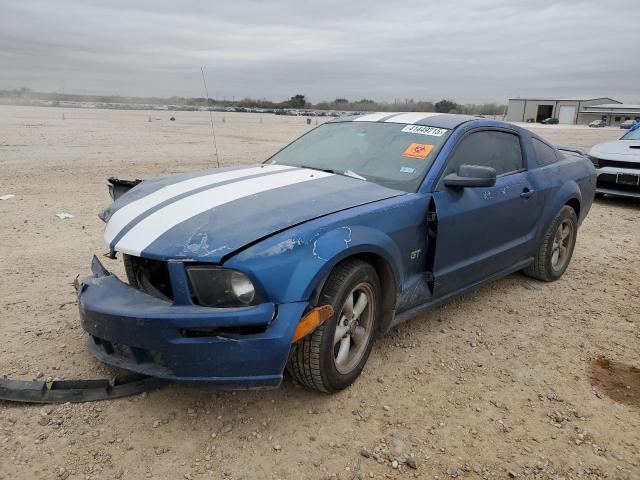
(298, 101)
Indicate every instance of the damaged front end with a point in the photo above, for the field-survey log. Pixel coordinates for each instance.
(118, 187)
(152, 326)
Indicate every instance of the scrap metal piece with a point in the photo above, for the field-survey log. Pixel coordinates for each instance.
(98, 269)
(118, 187)
(75, 391)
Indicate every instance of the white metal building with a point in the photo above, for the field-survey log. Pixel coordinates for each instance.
(612, 113)
(571, 110)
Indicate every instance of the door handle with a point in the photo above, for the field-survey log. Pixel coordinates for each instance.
(527, 193)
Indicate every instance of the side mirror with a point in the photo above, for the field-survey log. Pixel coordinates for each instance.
(471, 176)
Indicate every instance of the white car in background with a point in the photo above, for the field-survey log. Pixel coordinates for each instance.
(618, 165)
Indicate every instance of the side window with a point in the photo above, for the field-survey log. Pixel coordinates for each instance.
(546, 155)
(488, 148)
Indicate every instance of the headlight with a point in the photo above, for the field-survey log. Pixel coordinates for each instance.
(595, 161)
(242, 287)
(219, 287)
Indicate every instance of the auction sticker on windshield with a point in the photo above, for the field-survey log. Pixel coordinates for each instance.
(418, 150)
(422, 130)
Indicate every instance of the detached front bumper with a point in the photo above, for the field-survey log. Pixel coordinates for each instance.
(229, 347)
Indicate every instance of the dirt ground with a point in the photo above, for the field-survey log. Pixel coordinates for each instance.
(495, 384)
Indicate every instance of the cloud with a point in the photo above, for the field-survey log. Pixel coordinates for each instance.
(466, 50)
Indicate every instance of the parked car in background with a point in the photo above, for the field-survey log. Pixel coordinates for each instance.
(235, 274)
(618, 165)
(550, 121)
(628, 124)
(598, 124)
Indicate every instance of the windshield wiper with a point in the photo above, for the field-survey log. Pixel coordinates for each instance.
(346, 173)
(328, 170)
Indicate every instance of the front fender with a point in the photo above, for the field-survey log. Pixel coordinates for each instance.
(357, 239)
(291, 265)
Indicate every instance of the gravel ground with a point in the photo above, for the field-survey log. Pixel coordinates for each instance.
(516, 380)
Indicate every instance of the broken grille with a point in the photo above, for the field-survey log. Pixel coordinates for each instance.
(128, 353)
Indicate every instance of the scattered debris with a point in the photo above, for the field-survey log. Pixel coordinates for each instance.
(531, 285)
(7, 196)
(54, 390)
(63, 215)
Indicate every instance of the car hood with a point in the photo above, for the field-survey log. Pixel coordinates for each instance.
(207, 215)
(623, 150)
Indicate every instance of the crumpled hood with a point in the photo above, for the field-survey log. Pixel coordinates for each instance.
(207, 215)
(623, 150)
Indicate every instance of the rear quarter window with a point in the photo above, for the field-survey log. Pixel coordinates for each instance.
(545, 154)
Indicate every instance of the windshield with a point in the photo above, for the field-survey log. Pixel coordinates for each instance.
(633, 134)
(391, 154)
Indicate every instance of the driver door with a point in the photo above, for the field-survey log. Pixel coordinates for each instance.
(483, 231)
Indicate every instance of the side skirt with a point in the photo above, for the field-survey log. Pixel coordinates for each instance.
(412, 312)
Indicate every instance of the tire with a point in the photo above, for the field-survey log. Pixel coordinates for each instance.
(316, 360)
(556, 250)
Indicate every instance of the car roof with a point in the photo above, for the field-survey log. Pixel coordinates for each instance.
(431, 119)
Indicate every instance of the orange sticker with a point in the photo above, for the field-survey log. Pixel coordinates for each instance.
(418, 150)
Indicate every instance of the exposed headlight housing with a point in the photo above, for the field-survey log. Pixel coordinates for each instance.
(595, 161)
(214, 286)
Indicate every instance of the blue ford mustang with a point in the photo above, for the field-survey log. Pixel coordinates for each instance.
(236, 274)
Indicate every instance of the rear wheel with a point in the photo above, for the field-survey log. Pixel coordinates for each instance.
(332, 356)
(556, 250)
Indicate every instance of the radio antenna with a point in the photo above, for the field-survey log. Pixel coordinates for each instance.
(213, 130)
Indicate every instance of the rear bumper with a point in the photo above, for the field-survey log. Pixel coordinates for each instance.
(231, 348)
(608, 181)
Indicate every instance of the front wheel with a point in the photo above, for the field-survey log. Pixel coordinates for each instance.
(332, 356)
(554, 254)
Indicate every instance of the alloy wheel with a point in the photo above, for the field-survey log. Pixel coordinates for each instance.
(560, 249)
(354, 328)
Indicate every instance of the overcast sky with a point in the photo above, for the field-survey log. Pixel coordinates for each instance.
(469, 51)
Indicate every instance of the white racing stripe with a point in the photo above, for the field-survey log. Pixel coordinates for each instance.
(153, 226)
(410, 117)
(373, 117)
(121, 218)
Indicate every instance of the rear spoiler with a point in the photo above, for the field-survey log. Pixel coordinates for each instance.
(572, 150)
